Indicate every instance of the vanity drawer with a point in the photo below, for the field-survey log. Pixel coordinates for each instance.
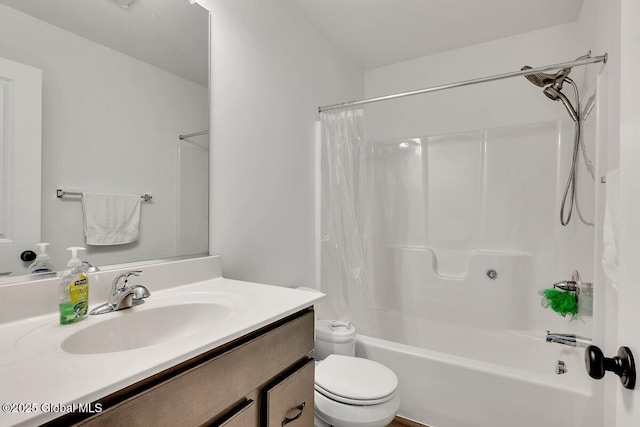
(204, 391)
(290, 401)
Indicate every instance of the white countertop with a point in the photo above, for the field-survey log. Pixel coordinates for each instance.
(35, 370)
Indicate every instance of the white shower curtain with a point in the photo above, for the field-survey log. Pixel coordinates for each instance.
(346, 272)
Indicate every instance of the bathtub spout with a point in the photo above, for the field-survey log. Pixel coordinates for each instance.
(568, 339)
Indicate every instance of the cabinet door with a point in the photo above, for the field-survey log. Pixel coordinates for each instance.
(290, 402)
(245, 416)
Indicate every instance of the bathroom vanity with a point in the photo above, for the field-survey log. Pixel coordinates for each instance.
(211, 351)
(265, 375)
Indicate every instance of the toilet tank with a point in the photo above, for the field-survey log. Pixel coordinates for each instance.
(335, 337)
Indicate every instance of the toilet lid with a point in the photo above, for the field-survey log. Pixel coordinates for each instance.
(354, 380)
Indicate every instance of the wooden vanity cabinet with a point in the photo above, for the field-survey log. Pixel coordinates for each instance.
(262, 379)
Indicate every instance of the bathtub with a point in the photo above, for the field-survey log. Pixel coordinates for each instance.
(459, 376)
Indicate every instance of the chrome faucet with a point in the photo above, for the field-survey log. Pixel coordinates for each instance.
(123, 296)
(568, 339)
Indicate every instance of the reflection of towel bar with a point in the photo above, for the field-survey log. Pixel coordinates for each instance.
(189, 135)
(60, 193)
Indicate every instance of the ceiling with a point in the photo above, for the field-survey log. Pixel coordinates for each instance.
(171, 34)
(383, 32)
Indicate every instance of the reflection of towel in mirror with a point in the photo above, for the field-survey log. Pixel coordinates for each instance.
(610, 229)
(111, 219)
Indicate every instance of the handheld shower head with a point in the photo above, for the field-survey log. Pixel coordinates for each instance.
(553, 83)
(553, 93)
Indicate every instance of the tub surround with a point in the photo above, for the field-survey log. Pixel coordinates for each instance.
(36, 370)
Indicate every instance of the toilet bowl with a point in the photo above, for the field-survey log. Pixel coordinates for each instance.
(354, 392)
(350, 391)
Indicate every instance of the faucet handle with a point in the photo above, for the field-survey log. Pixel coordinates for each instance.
(133, 273)
(125, 276)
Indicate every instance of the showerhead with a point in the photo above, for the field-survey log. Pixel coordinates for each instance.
(543, 79)
(557, 79)
(554, 94)
(553, 83)
(539, 79)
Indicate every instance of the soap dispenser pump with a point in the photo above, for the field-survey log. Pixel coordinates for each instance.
(74, 290)
(42, 263)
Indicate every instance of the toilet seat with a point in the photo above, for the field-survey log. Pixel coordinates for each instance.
(347, 401)
(355, 381)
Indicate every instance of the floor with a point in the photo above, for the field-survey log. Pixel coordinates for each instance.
(401, 422)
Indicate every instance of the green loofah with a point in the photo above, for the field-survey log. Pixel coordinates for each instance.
(561, 302)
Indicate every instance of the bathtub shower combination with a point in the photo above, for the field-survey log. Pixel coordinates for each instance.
(436, 248)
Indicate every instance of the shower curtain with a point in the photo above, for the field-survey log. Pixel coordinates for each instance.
(346, 271)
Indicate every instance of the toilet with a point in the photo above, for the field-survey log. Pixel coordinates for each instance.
(350, 391)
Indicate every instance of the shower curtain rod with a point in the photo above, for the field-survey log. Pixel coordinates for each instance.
(579, 62)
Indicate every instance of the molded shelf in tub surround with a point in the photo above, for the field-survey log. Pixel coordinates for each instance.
(35, 369)
(473, 298)
(472, 265)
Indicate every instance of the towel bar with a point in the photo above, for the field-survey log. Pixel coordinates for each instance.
(61, 193)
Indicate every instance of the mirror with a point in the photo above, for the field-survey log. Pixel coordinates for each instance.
(121, 80)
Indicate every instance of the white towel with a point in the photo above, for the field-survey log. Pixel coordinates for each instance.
(610, 229)
(111, 219)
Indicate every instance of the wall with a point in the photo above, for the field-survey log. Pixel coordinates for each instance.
(496, 104)
(107, 127)
(270, 71)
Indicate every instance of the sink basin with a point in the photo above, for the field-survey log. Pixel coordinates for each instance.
(131, 329)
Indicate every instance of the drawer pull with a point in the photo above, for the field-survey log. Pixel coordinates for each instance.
(288, 419)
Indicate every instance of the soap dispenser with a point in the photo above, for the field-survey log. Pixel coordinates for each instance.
(42, 264)
(74, 290)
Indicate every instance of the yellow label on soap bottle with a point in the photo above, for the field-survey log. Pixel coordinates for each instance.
(79, 294)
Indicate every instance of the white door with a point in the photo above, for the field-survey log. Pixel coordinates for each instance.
(627, 402)
(20, 147)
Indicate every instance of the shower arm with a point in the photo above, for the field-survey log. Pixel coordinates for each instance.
(519, 73)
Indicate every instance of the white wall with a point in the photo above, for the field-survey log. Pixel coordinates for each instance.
(110, 124)
(270, 71)
(496, 104)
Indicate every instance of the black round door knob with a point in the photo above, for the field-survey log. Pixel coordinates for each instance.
(28, 256)
(622, 365)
